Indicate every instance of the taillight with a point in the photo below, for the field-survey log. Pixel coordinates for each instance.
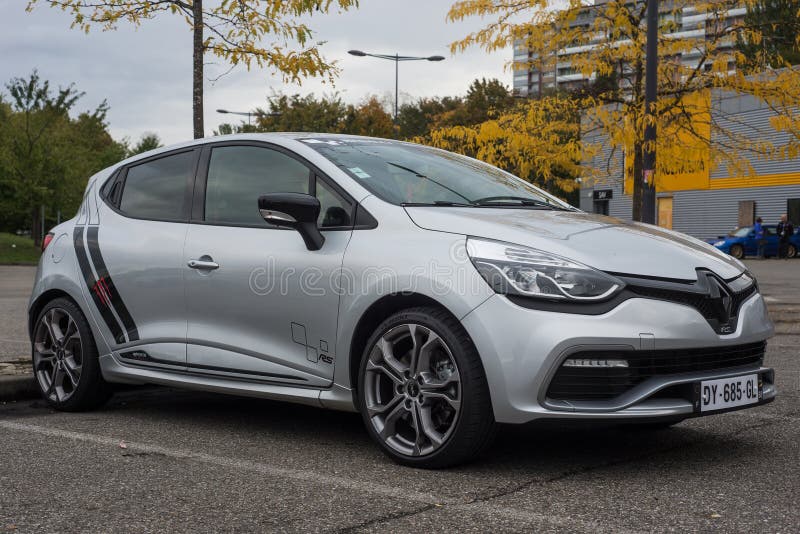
(46, 240)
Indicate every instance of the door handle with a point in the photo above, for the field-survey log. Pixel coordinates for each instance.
(203, 264)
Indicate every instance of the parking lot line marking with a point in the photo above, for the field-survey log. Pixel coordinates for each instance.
(303, 475)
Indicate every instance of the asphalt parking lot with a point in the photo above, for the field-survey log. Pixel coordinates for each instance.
(166, 460)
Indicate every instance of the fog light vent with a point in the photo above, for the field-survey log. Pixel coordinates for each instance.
(594, 363)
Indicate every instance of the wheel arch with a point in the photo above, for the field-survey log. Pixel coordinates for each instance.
(374, 315)
(41, 301)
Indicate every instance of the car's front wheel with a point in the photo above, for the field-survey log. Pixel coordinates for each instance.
(422, 390)
(65, 359)
(737, 251)
(791, 251)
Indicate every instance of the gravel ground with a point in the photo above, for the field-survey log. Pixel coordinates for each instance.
(164, 460)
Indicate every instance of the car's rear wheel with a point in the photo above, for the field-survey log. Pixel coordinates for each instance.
(422, 390)
(791, 251)
(737, 251)
(65, 359)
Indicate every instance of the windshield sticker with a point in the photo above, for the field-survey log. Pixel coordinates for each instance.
(358, 172)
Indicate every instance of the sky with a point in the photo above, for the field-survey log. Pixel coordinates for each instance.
(145, 73)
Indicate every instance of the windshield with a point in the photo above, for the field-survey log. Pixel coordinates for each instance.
(403, 173)
(740, 232)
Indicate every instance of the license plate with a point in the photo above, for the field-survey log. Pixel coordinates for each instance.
(725, 393)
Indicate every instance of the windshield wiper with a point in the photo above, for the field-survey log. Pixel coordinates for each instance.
(504, 201)
(447, 203)
(420, 175)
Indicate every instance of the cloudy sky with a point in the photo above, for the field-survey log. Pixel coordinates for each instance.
(145, 73)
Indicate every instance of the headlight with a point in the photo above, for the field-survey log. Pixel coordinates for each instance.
(719, 243)
(516, 270)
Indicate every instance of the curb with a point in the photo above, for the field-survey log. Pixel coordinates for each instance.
(18, 387)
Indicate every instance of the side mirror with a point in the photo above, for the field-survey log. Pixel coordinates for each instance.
(293, 210)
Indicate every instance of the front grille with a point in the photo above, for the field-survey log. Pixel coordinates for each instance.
(698, 301)
(599, 383)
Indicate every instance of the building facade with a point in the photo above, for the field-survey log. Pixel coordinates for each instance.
(707, 203)
(559, 74)
(711, 203)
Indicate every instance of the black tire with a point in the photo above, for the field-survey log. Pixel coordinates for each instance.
(92, 391)
(474, 427)
(737, 251)
(791, 251)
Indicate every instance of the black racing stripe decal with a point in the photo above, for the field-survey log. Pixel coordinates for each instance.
(98, 296)
(107, 286)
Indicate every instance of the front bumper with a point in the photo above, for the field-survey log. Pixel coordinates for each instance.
(521, 350)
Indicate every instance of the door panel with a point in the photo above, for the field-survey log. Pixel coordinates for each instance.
(793, 210)
(750, 246)
(129, 241)
(747, 213)
(269, 306)
(145, 260)
(216, 361)
(665, 212)
(771, 248)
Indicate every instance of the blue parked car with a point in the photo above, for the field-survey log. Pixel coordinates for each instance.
(742, 242)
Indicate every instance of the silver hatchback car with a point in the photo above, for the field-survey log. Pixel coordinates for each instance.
(435, 294)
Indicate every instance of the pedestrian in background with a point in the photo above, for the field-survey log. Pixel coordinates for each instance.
(785, 231)
(758, 229)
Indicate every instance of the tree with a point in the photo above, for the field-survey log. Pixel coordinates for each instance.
(618, 110)
(774, 38)
(483, 98)
(327, 114)
(417, 118)
(370, 118)
(231, 29)
(148, 141)
(301, 114)
(537, 140)
(45, 155)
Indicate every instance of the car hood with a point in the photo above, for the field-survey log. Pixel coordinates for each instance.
(605, 243)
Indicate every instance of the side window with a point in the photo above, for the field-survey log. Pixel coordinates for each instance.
(112, 188)
(238, 175)
(334, 210)
(157, 189)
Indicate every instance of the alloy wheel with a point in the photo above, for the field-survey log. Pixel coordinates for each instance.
(57, 354)
(412, 390)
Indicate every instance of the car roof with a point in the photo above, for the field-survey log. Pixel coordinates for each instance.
(279, 138)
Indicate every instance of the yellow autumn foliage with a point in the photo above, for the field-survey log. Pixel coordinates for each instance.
(605, 43)
(538, 141)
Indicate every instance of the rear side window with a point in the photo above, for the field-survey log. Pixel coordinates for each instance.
(157, 189)
(238, 175)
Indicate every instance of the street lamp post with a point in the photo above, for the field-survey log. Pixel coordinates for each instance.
(648, 199)
(397, 58)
